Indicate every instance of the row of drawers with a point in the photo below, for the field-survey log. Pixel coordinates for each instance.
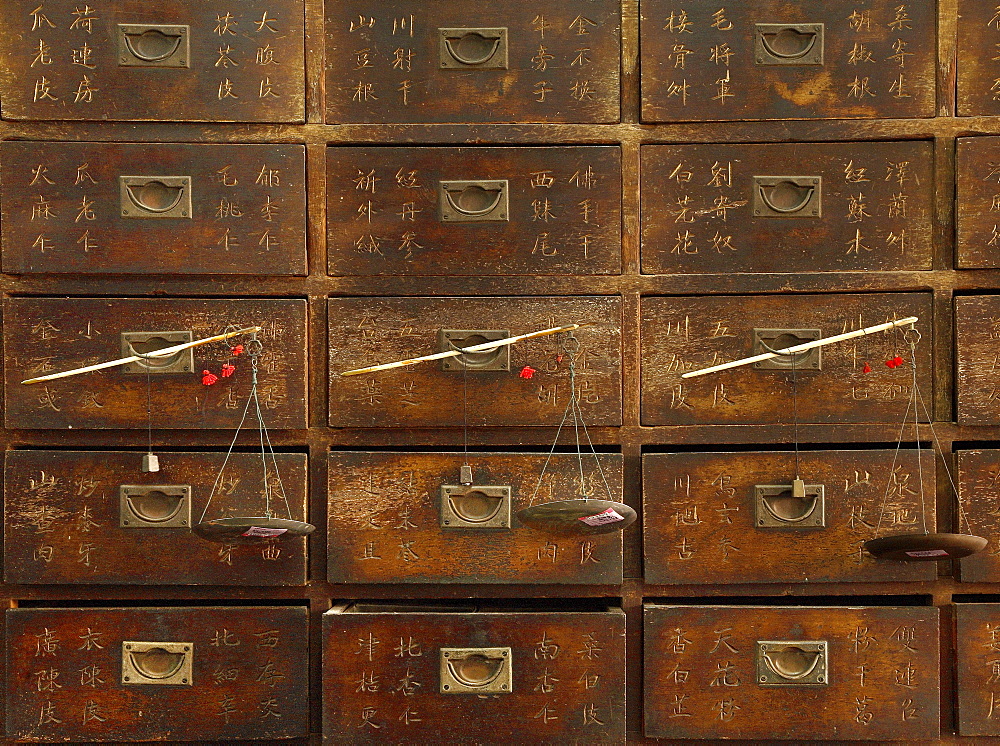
(473, 211)
(404, 61)
(79, 517)
(409, 674)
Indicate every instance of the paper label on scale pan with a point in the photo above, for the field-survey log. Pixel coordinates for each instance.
(928, 553)
(607, 516)
(264, 532)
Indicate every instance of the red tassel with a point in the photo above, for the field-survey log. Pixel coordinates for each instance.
(867, 368)
(208, 378)
(891, 363)
(228, 370)
(897, 360)
(237, 350)
(527, 372)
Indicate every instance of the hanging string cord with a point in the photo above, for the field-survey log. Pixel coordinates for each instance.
(266, 448)
(795, 398)
(562, 422)
(465, 411)
(593, 451)
(913, 336)
(149, 412)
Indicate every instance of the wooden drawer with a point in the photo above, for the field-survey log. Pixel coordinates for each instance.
(978, 66)
(93, 517)
(978, 476)
(405, 518)
(977, 207)
(977, 345)
(365, 331)
(687, 333)
(977, 642)
(704, 670)
(474, 211)
(238, 672)
(437, 61)
(45, 335)
(153, 208)
(794, 207)
(719, 518)
(385, 673)
(174, 61)
(787, 59)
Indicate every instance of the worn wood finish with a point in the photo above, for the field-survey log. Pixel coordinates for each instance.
(976, 338)
(977, 473)
(96, 208)
(701, 673)
(978, 68)
(63, 520)
(373, 330)
(681, 334)
(65, 677)
(704, 523)
(381, 676)
(862, 206)
(703, 63)
(388, 62)
(977, 201)
(386, 521)
(44, 335)
(100, 61)
(558, 211)
(977, 631)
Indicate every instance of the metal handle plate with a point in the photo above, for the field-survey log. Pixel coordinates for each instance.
(788, 196)
(154, 506)
(142, 343)
(155, 196)
(478, 48)
(476, 670)
(475, 506)
(158, 663)
(788, 43)
(777, 507)
(765, 340)
(477, 201)
(792, 663)
(153, 45)
(488, 360)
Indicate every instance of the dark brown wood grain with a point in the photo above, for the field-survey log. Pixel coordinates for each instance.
(702, 211)
(701, 673)
(65, 680)
(381, 678)
(700, 63)
(977, 343)
(978, 68)
(977, 173)
(978, 480)
(64, 211)
(978, 643)
(385, 211)
(61, 60)
(383, 63)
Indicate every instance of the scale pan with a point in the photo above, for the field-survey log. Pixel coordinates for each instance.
(578, 517)
(925, 547)
(251, 530)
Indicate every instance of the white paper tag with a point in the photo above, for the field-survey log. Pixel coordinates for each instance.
(602, 518)
(264, 532)
(928, 553)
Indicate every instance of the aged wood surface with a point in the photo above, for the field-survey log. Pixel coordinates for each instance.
(977, 474)
(976, 319)
(978, 629)
(978, 198)
(978, 67)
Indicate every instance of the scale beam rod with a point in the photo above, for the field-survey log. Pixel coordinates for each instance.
(165, 352)
(484, 347)
(803, 347)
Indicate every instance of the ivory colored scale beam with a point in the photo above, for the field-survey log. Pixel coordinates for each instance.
(803, 347)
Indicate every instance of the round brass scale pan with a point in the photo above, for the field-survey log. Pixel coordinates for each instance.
(925, 547)
(563, 517)
(241, 530)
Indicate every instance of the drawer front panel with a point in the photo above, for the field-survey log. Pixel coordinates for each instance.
(153, 208)
(816, 207)
(730, 517)
(774, 59)
(567, 678)
(978, 201)
(177, 61)
(474, 211)
(365, 331)
(704, 670)
(241, 673)
(387, 515)
(687, 333)
(978, 70)
(93, 517)
(977, 646)
(977, 343)
(47, 335)
(978, 479)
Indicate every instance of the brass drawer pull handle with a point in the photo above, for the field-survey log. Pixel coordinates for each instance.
(482, 201)
(143, 343)
(777, 506)
(497, 359)
(788, 196)
(482, 48)
(155, 196)
(792, 663)
(769, 340)
(475, 507)
(145, 45)
(159, 663)
(476, 670)
(789, 44)
(154, 506)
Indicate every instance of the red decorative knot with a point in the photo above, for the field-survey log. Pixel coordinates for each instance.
(237, 350)
(867, 368)
(559, 358)
(208, 378)
(894, 362)
(228, 370)
(527, 372)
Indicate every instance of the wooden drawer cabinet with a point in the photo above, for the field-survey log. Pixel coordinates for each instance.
(399, 674)
(978, 201)
(153, 208)
(977, 641)
(721, 518)
(686, 333)
(406, 518)
(978, 66)
(437, 61)
(775, 59)
(45, 335)
(145, 674)
(474, 211)
(977, 343)
(816, 207)
(364, 331)
(795, 672)
(175, 61)
(93, 517)
(978, 477)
